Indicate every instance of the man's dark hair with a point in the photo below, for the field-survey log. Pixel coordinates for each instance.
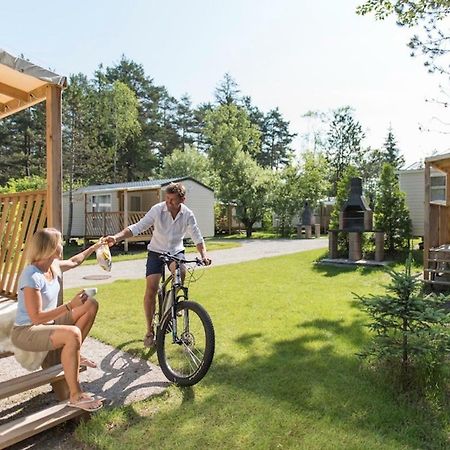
(176, 188)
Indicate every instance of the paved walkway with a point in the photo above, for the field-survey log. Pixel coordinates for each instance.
(92, 275)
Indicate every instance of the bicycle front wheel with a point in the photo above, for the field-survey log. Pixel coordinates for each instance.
(186, 358)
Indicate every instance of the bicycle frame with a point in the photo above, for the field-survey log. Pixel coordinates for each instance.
(173, 293)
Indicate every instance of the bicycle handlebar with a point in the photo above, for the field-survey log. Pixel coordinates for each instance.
(167, 257)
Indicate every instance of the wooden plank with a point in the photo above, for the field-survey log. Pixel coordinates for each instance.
(54, 193)
(15, 105)
(20, 429)
(6, 242)
(426, 225)
(437, 271)
(445, 283)
(11, 251)
(54, 157)
(30, 229)
(18, 249)
(5, 354)
(125, 217)
(32, 380)
(13, 92)
(20, 194)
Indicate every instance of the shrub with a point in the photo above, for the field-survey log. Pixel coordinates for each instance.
(412, 338)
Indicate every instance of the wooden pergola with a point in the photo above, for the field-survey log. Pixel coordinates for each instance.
(436, 258)
(22, 85)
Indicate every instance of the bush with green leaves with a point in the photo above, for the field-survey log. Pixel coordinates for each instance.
(29, 183)
(411, 331)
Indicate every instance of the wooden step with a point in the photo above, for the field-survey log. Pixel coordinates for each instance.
(437, 260)
(436, 271)
(5, 354)
(32, 380)
(24, 427)
(447, 283)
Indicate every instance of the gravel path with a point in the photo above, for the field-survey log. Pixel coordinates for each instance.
(249, 250)
(120, 377)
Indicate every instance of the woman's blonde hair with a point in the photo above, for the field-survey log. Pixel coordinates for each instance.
(43, 244)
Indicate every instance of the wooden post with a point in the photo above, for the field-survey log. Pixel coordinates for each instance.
(54, 199)
(85, 220)
(104, 222)
(426, 225)
(125, 216)
(54, 157)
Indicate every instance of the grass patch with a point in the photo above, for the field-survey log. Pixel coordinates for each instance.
(285, 374)
(139, 251)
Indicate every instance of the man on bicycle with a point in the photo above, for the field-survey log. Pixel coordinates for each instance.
(170, 221)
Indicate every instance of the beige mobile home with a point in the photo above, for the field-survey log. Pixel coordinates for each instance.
(412, 183)
(106, 209)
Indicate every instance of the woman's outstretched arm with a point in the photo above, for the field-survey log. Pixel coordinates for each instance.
(77, 259)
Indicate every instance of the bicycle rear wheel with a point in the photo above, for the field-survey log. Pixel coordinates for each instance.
(187, 360)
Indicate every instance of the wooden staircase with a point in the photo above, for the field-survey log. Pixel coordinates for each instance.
(437, 267)
(19, 429)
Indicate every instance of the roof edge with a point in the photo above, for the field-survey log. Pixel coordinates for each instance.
(28, 68)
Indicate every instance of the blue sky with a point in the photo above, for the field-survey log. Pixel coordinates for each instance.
(299, 55)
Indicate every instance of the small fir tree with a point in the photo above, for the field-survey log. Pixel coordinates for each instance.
(391, 212)
(412, 336)
(390, 152)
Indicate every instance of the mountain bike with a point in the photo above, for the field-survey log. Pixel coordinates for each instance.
(185, 338)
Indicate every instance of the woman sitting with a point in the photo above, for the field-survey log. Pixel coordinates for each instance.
(41, 325)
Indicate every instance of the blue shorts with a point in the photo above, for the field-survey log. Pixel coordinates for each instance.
(155, 263)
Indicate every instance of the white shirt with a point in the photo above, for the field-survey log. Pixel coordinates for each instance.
(168, 233)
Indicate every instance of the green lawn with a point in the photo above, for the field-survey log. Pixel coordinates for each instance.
(285, 374)
(140, 252)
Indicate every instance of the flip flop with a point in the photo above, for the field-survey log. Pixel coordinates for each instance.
(87, 362)
(86, 404)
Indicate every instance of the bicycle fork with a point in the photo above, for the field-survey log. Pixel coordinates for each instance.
(174, 290)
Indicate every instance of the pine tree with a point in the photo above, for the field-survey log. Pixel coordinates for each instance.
(343, 147)
(390, 153)
(391, 212)
(276, 151)
(411, 331)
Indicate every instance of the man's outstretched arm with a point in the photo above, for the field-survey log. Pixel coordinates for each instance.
(115, 238)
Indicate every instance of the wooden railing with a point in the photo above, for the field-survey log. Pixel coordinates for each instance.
(99, 224)
(21, 214)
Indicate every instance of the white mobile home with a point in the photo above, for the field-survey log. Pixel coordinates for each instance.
(412, 183)
(106, 209)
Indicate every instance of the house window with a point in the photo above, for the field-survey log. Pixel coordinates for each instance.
(135, 203)
(438, 188)
(101, 203)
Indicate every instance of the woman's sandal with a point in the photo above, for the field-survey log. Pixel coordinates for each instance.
(149, 340)
(86, 403)
(87, 362)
